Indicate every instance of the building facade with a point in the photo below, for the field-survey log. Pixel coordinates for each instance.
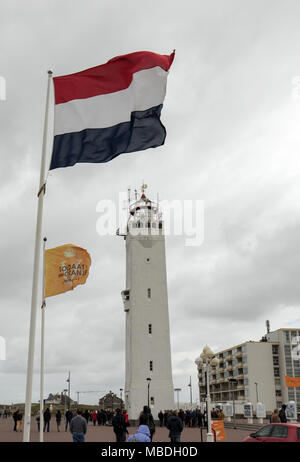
(148, 353)
(259, 370)
(288, 341)
(111, 402)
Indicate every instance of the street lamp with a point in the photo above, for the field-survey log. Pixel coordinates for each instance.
(65, 391)
(149, 381)
(233, 382)
(208, 357)
(121, 390)
(191, 396)
(177, 390)
(256, 385)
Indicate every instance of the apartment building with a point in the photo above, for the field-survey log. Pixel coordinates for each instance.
(258, 369)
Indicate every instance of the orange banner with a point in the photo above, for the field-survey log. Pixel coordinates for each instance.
(218, 426)
(66, 267)
(292, 381)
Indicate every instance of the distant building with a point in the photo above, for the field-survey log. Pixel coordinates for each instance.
(259, 369)
(111, 402)
(58, 398)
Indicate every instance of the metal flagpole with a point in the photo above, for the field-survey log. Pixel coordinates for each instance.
(38, 234)
(42, 350)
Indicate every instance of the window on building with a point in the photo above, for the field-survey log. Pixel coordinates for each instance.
(276, 372)
(291, 394)
(149, 293)
(151, 365)
(287, 337)
(152, 400)
(278, 392)
(275, 361)
(150, 328)
(275, 349)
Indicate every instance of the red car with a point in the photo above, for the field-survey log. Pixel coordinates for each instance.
(276, 432)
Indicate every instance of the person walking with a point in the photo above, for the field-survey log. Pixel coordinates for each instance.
(282, 414)
(15, 417)
(142, 435)
(94, 417)
(166, 416)
(188, 418)
(19, 422)
(86, 415)
(161, 418)
(181, 415)
(175, 426)
(69, 416)
(119, 426)
(47, 418)
(78, 428)
(127, 423)
(275, 417)
(150, 420)
(58, 420)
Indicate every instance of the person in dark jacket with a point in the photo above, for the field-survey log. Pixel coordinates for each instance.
(282, 414)
(150, 420)
(78, 428)
(69, 416)
(166, 416)
(58, 420)
(86, 415)
(161, 418)
(47, 418)
(181, 415)
(175, 426)
(119, 426)
(15, 417)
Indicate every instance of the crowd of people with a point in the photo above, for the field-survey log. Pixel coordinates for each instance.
(174, 421)
(191, 418)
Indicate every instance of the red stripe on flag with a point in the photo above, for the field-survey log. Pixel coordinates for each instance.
(113, 76)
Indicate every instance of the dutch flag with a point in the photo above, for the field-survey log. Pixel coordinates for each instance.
(110, 109)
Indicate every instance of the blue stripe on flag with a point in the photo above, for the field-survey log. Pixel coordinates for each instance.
(98, 145)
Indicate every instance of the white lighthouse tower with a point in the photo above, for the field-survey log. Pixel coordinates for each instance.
(148, 353)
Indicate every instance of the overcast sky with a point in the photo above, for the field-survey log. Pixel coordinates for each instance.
(232, 118)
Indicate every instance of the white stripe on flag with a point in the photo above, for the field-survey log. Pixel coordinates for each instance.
(147, 89)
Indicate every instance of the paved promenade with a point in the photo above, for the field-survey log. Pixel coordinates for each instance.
(105, 433)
